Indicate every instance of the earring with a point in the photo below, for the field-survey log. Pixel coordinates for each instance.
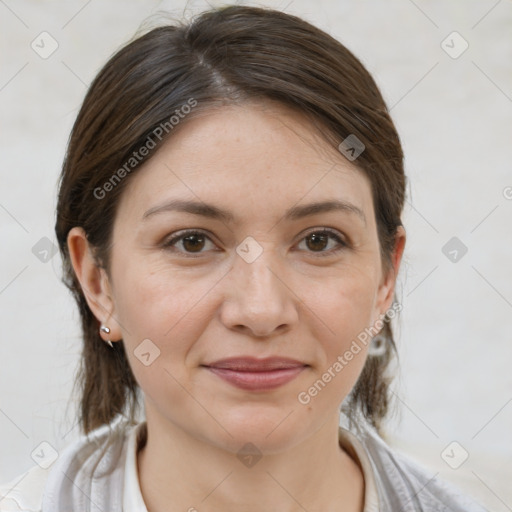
(377, 346)
(106, 330)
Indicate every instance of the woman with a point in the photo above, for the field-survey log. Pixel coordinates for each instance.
(229, 221)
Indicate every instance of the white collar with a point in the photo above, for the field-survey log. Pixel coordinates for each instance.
(132, 495)
(351, 444)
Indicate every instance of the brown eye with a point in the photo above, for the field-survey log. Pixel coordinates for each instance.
(318, 242)
(193, 243)
(188, 242)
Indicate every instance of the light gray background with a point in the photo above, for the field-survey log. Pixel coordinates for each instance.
(454, 116)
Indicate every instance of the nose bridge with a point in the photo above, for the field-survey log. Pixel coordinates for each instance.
(259, 278)
(258, 299)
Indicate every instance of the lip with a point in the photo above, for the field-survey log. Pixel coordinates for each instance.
(254, 374)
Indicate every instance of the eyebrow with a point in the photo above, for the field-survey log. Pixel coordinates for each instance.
(214, 212)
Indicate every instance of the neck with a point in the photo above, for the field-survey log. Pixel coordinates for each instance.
(181, 472)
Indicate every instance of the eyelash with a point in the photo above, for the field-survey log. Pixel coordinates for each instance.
(325, 231)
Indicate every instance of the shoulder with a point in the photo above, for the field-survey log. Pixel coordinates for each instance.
(24, 493)
(38, 487)
(403, 484)
(426, 489)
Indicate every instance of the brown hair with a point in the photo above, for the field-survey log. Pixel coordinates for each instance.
(223, 56)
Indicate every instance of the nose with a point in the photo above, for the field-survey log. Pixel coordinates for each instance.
(258, 300)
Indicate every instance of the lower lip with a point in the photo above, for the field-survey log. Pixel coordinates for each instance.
(258, 381)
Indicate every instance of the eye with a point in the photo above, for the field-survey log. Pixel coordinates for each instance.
(193, 242)
(319, 240)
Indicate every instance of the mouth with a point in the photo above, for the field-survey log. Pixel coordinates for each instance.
(254, 374)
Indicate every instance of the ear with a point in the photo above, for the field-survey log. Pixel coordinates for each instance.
(94, 282)
(387, 286)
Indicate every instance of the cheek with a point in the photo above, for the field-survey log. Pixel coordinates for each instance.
(153, 299)
(344, 306)
(169, 313)
(344, 309)
(164, 307)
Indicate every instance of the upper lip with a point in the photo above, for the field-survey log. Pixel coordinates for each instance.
(249, 363)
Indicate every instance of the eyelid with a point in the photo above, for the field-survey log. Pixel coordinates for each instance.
(328, 230)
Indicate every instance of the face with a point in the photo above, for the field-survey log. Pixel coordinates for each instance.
(270, 278)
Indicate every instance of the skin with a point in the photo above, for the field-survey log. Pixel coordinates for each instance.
(298, 299)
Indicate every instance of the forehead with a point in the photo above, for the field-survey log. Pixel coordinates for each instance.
(259, 156)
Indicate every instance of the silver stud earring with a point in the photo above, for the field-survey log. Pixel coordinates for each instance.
(106, 330)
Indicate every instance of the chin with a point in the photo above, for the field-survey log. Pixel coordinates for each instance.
(271, 431)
